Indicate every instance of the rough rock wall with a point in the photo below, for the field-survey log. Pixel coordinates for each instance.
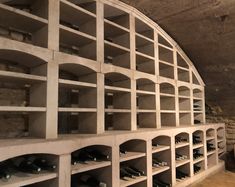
(214, 114)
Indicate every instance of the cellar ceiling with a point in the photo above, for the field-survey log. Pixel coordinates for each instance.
(205, 29)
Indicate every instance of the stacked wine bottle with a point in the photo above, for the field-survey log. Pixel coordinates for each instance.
(160, 183)
(30, 164)
(197, 154)
(196, 140)
(180, 175)
(86, 155)
(210, 147)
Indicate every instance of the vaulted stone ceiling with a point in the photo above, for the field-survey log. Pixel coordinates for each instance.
(205, 29)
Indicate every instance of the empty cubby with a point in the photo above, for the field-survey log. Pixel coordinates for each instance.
(167, 103)
(69, 14)
(183, 75)
(185, 119)
(145, 85)
(167, 89)
(145, 64)
(195, 80)
(166, 55)
(181, 62)
(116, 35)
(146, 103)
(146, 119)
(197, 93)
(116, 55)
(144, 46)
(85, 5)
(143, 29)
(167, 96)
(166, 70)
(116, 16)
(184, 104)
(115, 120)
(184, 91)
(117, 91)
(77, 86)
(163, 41)
(168, 119)
(210, 134)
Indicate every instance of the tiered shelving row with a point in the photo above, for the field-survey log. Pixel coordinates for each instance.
(128, 149)
(80, 72)
(145, 79)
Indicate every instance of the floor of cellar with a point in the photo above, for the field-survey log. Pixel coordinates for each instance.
(221, 179)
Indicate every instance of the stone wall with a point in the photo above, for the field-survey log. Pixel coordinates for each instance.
(214, 114)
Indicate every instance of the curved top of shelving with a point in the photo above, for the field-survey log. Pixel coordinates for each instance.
(136, 13)
(129, 140)
(21, 57)
(90, 146)
(198, 131)
(159, 136)
(30, 152)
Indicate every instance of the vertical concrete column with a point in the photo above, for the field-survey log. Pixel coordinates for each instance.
(132, 42)
(177, 116)
(100, 103)
(133, 105)
(53, 24)
(149, 162)
(64, 171)
(52, 100)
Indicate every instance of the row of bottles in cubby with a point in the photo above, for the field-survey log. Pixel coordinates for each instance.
(93, 164)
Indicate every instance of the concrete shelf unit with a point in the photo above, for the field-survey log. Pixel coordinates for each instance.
(123, 149)
(99, 75)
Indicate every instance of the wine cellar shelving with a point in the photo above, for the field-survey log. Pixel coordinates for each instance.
(99, 78)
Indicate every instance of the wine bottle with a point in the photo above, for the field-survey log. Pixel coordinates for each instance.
(133, 172)
(29, 167)
(155, 144)
(159, 163)
(4, 173)
(124, 174)
(122, 151)
(160, 183)
(82, 157)
(91, 181)
(137, 170)
(196, 168)
(44, 164)
(180, 175)
(99, 155)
